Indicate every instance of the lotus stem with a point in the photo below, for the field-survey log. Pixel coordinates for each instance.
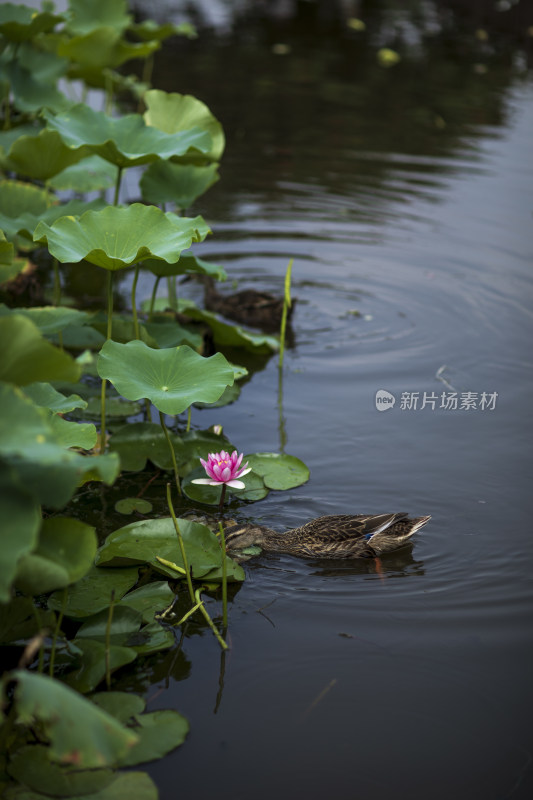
(56, 632)
(134, 301)
(182, 546)
(37, 615)
(187, 429)
(286, 306)
(152, 299)
(172, 453)
(172, 293)
(57, 297)
(117, 186)
(224, 577)
(210, 622)
(222, 498)
(103, 437)
(108, 642)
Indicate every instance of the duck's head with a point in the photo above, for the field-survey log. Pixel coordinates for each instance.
(240, 536)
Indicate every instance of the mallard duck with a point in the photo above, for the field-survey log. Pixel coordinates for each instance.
(249, 306)
(332, 536)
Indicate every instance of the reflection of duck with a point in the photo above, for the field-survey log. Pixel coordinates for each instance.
(333, 536)
(249, 306)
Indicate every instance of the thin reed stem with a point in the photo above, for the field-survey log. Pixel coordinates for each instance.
(172, 453)
(182, 546)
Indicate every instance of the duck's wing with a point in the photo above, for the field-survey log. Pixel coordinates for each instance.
(345, 527)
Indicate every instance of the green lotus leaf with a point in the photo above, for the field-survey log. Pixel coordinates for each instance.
(174, 113)
(29, 447)
(84, 17)
(121, 705)
(133, 785)
(44, 155)
(73, 434)
(30, 93)
(101, 49)
(141, 542)
(18, 622)
(115, 408)
(20, 529)
(139, 442)
(89, 175)
(148, 30)
(44, 395)
(159, 733)
(188, 264)
(25, 224)
(152, 638)
(28, 358)
(18, 198)
(18, 23)
(227, 335)
(171, 379)
(130, 504)
(117, 237)
(48, 319)
(149, 599)
(6, 256)
(64, 554)
(32, 767)
(125, 622)
(80, 733)
(182, 184)
(279, 471)
(123, 329)
(166, 332)
(124, 141)
(92, 593)
(92, 669)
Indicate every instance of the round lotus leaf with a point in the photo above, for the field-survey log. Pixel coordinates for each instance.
(279, 471)
(130, 504)
(92, 174)
(43, 156)
(64, 554)
(85, 17)
(92, 669)
(125, 141)
(92, 593)
(18, 23)
(152, 638)
(121, 705)
(174, 113)
(149, 599)
(80, 733)
(31, 766)
(171, 379)
(117, 237)
(27, 357)
(44, 395)
(159, 733)
(182, 184)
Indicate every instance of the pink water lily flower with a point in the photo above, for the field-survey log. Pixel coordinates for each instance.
(224, 468)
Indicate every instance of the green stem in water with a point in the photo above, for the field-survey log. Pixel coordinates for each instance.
(108, 641)
(209, 621)
(188, 420)
(286, 306)
(104, 382)
(224, 577)
(222, 498)
(172, 453)
(182, 546)
(134, 301)
(37, 615)
(172, 293)
(57, 297)
(117, 186)
(152, 299)
(56, 632)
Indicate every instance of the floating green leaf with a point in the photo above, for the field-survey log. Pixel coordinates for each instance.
(171, 379)
(125, 141)
(182, 184)
(64, 554)
(125, 622)
(175, 113)
(92, 593)
(28, 357)
(149, 599)
(32, 767)
(159, 733)
(92, 669)
(152, 639)
(133, 785)
(210, 495)
(79, 732)
(279, 471)
(116, 237)
(130, 504)
(124, 706)
(141, 542)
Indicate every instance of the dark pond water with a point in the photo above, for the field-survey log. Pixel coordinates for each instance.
(404, 196)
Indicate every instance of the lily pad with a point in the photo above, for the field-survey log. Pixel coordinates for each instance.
(92, 174)
(27, 357)
(64, 554)
(79, 732)
(175, 113)
(92, 669)
(18, 622)
(85, 18)
(31, 766)
(182, 184)
(159, 733)
(125, 141)
(188, 264)
(117, 237)
(167, 332)
(124, 706)
(48, 319)
(44, 395)
(43, 156)
(141, 542)
(226, 335)
(279, 471)
(130, 504)
(210, 495)
(149, 599)
(133, 785)
(171, 379)
(152, 638)
(92, 593)
(125, 622)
